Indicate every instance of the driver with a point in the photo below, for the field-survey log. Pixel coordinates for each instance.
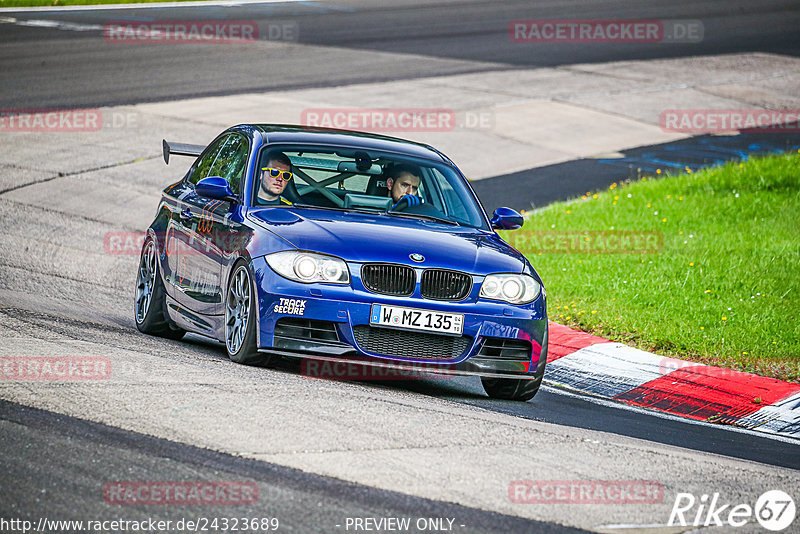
(402, 179)
(274, 177)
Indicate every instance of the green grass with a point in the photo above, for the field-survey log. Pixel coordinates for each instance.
(725, 288)
(41, 3)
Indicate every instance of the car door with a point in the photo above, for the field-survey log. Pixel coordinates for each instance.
(193, 291)
(174, 237)
(207, 231)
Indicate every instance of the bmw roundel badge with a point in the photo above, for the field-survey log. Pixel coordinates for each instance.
(419, 258)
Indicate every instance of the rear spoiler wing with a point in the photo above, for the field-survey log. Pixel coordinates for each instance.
(180, 149)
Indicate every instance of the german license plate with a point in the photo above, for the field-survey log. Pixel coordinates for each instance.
(416, 319)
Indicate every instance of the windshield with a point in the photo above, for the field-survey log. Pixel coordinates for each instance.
(351, 179)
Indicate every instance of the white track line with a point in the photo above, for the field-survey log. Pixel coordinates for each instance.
(58, 25)
(151, 5)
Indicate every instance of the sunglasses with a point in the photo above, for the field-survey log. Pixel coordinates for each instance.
(275, 173)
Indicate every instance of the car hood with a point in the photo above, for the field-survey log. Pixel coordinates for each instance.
(360, 237)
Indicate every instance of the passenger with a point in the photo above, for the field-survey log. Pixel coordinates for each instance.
(274, 177)
(402, 179)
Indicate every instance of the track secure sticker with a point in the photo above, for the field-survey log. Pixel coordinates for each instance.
(291, 306)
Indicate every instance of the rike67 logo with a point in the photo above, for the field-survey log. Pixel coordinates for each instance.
(774, 510)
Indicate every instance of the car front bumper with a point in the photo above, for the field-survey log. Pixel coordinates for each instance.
(329, 322)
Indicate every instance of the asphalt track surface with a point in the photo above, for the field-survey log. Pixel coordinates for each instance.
(346, 42)
(301, 501)
(60, 463)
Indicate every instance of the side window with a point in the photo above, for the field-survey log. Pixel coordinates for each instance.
(453, 206)
(206, 161)
(231, 161)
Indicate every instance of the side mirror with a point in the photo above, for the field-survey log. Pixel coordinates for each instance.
(217, 188)
(506, 219)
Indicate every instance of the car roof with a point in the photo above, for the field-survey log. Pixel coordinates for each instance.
(288, 133)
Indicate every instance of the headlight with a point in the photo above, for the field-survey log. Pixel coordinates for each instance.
(511, 288)
(309, 267)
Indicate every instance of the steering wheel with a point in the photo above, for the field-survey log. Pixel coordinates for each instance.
(407, 201)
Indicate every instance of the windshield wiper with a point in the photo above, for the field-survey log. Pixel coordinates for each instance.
(423, 216)
(336, 208)
(375, 212)
(301, 205)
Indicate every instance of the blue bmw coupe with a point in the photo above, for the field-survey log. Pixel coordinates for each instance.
(341, 246)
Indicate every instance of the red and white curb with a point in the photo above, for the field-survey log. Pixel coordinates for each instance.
(596, 366)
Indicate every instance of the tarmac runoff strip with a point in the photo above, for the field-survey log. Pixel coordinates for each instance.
(542, 185)
(596, 366)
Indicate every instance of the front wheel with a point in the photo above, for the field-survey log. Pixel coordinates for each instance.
(150, 296)
(241, 319)
(511, 388)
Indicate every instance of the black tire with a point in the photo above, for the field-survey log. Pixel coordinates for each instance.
(242, 348)
(148, 309)
(511, 388)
